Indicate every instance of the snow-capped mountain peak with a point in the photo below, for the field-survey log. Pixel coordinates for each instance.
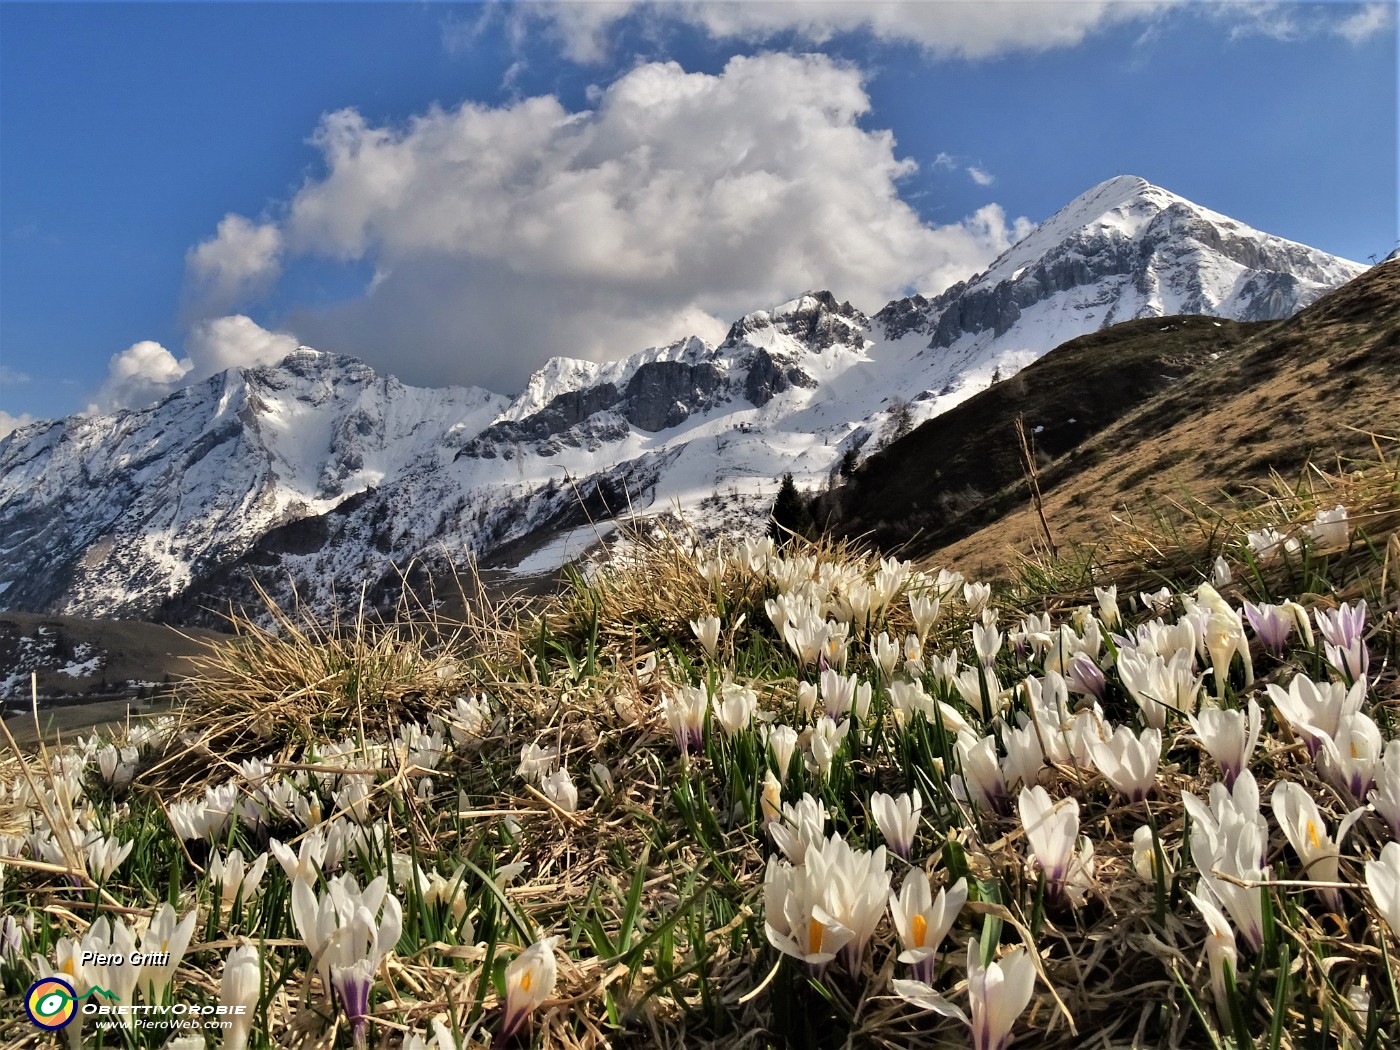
(1122, 250)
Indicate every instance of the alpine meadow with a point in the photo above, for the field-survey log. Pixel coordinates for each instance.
(655, 525)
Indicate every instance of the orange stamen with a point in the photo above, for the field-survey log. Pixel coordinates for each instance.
(920, 930)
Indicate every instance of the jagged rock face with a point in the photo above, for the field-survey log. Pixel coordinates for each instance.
(903, 316)
(768, 377)
(663, 394)
(563, 412)
(815, 319)
(658, 395)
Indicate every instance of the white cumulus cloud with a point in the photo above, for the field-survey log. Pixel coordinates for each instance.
(10, 423)
(239, 262)
(146, 371)
(971, 29)
(982, 178)
(1365, 22)
(501, 236)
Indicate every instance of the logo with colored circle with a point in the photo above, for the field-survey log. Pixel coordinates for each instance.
(51, 1003)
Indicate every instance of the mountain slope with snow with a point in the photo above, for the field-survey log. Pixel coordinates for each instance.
(329, 481)
(110, 515)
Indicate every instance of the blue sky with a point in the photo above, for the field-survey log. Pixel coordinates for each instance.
(454, 192)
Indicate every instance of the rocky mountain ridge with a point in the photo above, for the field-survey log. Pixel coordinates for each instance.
(319, 474)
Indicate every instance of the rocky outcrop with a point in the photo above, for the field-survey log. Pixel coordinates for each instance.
(563, 412)
(767, 377)
(663, 394)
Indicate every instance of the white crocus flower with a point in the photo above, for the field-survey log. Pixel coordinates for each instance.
(1129, 762)
(854, 886)
(980, 780)
(117, 765)
(168, 936)
(530, 980)
(240, 986)
(1383, 880)
(922, 995)
(305, 864)
(999, 994)
(469, 721)
(1229, 838)
(782, 742)
(1158, 602)
(1048, 700)
(345, 926)
(1229, 736)
(233, 878)
(826, 740)
(806, 638)
(1386, 796)
(924, 611)
(734, 708)
(1329, 527)
(909, 699)
(803, 826)
(835, 647)
(104, 855)
(922, 921)
(976, 595)
(1220, 574)
(404, 871)
(913, 655)
(1159, 685)
(536, 762)
(1267, 542)
(1225, 638)
(1145, 858)
(795, 918)
(858, 602)
(986, 639)
(973, 683)
(602, 779)
(1052, 829)
(898, 819)
(1221, 950)
(755, 553)
(884, 653)
(1025, 755)
(1352, 756)
(1315, 710)
(352, 798)
(1108, 606)
(220, 804)
(770, 799)
(1298, 816)
(838, 692)
(707, 631)
(685, 713)
(711, 570)
(307, 810)
(559, 788)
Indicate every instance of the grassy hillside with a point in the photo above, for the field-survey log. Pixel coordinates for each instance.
(1166, 409)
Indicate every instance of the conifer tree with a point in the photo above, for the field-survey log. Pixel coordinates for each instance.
(789, 512)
